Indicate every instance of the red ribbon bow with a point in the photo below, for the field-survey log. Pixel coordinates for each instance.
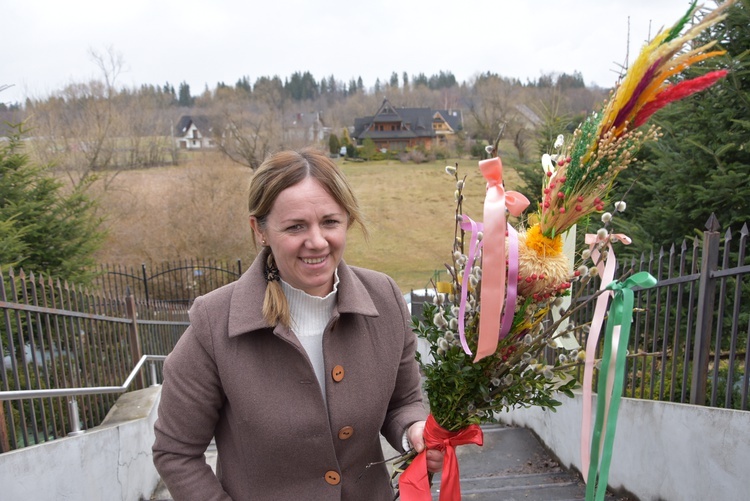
(414, 484)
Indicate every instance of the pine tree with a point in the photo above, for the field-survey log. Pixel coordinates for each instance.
(334, 146)
(43, 228)
(185, 99)
(700, 166)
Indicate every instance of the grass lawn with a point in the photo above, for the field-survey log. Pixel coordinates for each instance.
(198, 210)
(410, 210)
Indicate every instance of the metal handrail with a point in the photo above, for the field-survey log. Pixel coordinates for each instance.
(93, 390)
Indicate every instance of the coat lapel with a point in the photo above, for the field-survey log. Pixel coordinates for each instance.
(246, 303)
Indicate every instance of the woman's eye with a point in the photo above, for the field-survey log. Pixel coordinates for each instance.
(294, 227)
(331, 222)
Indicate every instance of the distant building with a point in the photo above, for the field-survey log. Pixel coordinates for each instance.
(306, 128)
(398, 129)
(194, 132)
(530, 119)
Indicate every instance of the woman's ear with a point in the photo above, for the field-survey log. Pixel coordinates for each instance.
(256, 230)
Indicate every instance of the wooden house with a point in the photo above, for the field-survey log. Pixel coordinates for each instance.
(399, 129)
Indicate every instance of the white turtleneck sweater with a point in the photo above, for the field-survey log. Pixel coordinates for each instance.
(310, 316)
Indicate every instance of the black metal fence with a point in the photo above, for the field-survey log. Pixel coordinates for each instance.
(176, 281)
(690, 338)
(54, 336)
(690, 341)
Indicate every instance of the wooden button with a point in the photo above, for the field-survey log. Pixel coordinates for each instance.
(346, 432)
(333, 477)
(338, 373)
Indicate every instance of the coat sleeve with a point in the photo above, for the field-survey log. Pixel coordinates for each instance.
(191, 398)
(406, 406)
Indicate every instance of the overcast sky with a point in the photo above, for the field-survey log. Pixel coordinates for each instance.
(46, 44)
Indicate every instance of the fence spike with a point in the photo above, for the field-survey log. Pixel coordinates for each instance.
(744, 231)
(713, 223)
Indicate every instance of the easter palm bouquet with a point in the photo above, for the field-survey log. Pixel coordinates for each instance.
(499, 330)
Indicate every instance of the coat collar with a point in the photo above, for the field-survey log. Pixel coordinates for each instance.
(246, 303)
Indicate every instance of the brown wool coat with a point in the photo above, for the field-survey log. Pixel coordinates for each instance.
(252, 386)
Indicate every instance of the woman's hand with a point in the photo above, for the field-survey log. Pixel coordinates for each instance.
(415, 435)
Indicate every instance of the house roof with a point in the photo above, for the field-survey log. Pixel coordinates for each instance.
(201, 122)
(305, 119)
(529, 115)
(415, 122)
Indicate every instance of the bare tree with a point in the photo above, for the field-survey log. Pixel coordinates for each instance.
(491, 101)
(77, 129)
(245, 130)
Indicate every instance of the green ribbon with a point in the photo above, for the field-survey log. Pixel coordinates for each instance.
(620, 315)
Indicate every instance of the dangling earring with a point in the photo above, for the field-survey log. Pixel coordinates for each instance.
(271, 270)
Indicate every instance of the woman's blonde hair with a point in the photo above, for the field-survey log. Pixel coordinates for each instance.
(279, 172)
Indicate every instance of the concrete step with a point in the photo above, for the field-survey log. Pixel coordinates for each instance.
(512, 465)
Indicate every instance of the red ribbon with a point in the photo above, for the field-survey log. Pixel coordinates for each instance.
(414, 484)
(493, 261)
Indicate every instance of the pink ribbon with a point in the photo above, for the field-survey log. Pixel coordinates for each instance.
(493, 261)
(510, 302)
(468, 224)
(606, 270)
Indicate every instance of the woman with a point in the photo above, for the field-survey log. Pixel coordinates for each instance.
(299, 365)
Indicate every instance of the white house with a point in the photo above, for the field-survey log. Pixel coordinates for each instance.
(193, 132)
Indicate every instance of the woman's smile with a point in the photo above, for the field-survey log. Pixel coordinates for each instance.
(306, 230)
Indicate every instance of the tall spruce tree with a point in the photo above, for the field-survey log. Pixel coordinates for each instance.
(701, 164)
(43, 228)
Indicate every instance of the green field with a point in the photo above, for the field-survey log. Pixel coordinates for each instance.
(199, 210)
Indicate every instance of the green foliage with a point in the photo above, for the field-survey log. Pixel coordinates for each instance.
(700, 164)
(724, 378)
(334, 146)
(43, 228)
(302, 86)
(532, 187)
(462, 392)
(185, 99)
(368, 150)
(478, 151)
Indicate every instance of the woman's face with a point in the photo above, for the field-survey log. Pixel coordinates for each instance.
(306, 230)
